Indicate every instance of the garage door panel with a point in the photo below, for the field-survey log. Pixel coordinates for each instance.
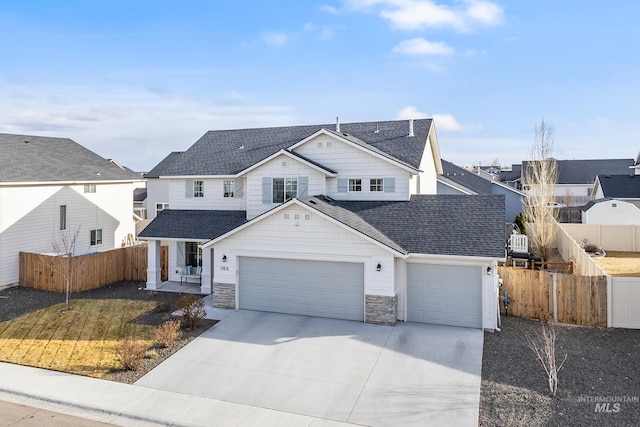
(444, 294)
(314, 288)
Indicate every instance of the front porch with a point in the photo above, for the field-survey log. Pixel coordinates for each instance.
(177, 287)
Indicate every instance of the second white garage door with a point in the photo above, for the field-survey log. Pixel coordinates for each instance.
(444, 294)
(312, 288)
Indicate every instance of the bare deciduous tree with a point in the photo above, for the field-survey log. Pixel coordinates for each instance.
(544, 345)
(541, 176)
(64, 244)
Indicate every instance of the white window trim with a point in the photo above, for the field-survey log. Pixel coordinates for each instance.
(381, 186)
(349, 190)
(198, 193)
(225, 193)
(98, 242)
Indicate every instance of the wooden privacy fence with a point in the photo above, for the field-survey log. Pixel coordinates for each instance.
(565, 298)
(92, 271)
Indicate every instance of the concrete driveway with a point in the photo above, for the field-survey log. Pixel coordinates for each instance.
(410, 374)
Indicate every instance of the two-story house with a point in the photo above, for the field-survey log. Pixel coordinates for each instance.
(52, 186)
(336, 221)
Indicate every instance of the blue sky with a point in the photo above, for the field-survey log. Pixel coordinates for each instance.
(134, 80)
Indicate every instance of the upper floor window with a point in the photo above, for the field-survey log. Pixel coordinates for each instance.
(193, 188)
(355, 184)
(89, 188)
(376, 184)
(198, 188)
(63, 217)
(160, 207)
(96, 237)
(228, 187)
(284, 189)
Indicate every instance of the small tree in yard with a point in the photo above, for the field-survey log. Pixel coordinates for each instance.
(65, 245)
(541, 175)
(544, 345)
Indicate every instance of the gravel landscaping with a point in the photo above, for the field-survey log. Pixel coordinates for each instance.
(16, 301)
(603, 365)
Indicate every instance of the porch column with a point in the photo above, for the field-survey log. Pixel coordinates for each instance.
(153, 264)
(207, 266)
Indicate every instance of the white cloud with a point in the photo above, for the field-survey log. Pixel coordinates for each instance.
(275, 38)
(410, 112)
(444, 122)
(419, 47)
(423, 14)
(137, 128)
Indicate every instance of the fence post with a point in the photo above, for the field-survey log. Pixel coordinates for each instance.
(554, 278)
(609, 302)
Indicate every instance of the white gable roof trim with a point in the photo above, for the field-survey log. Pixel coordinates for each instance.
(308, 208)
(363, 147)
(291, 156)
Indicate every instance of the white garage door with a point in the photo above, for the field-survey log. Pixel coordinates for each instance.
(444, 294)
(312, 288)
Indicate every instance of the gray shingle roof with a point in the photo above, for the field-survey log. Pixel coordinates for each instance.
(26, 158)
(585, 171)
(193, 224)
(159, 169)
(227, 152)
(466, 178)
(620, 186)
(429, 224)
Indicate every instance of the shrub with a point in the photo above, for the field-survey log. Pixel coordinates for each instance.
(168, 333)
(590, 247)
(131, 351)
(192, 308)
(162, 307)
(521, 222)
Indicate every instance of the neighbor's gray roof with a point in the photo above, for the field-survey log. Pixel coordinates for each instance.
(228, 152)
(511, 175)
(26, 158)
(585, 171)
(193, 224)
(159, 169)
(620, 186)
(470, 180)
(427, 224)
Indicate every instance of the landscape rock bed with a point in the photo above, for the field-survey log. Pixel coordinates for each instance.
(601, 364)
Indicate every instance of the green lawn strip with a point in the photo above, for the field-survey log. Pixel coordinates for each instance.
(81, 340)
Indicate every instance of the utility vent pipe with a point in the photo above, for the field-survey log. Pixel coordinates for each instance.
(338, 124)
(411, 127)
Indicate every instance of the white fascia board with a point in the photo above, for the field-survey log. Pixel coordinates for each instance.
(197, 176)
(291, 156)
(455, 186)
(173, 239)
(505, 186)
(386, 158)
(432, 141)
(308, 208)
(454, 259)
(38, 183)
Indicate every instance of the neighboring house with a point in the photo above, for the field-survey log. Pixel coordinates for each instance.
(512, 177)
(456, 180)
(53, 186)
(157, 189)
(576, 177)
(617, 200)
(337, 221)
(140, 202)
(611, 212)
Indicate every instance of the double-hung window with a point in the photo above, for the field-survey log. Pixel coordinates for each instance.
(198, 188)
(376, 185)
(355, 184)
(228, 185)
(89, 188)
(192, 254)
(284, 189)
(96, 237)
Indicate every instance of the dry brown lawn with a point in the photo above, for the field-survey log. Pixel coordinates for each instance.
(80, 341)
(623, 264)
